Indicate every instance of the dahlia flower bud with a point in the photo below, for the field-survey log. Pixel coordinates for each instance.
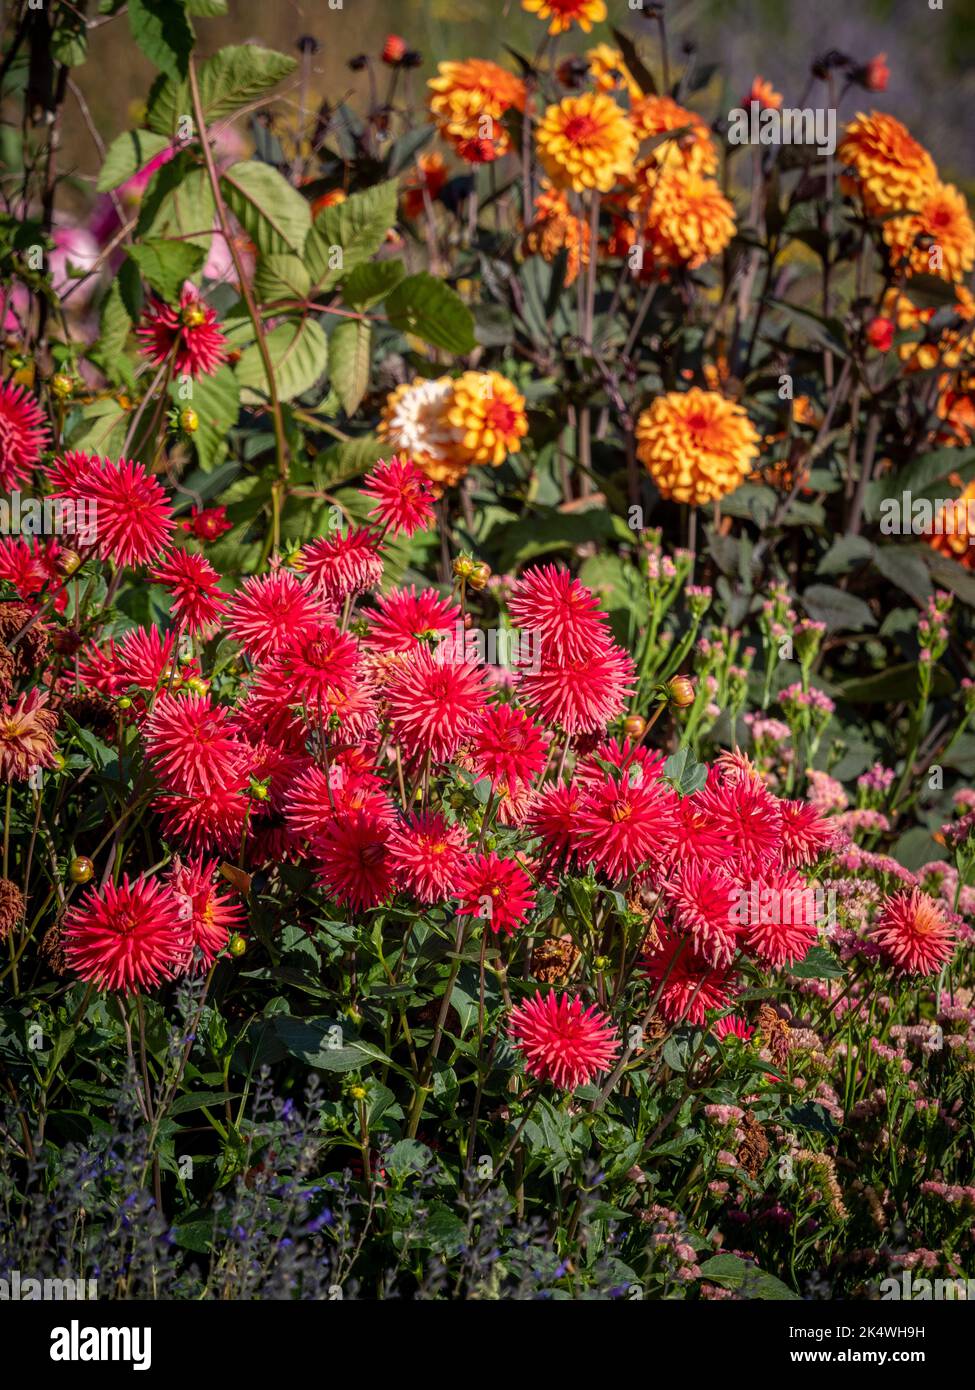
(480, 576)
(189, 420)
(68, 561)
(634, 726)
(81, 870)
(62, 386)
(394, 50)
(680, 690)
(880, 334)
(237, 944)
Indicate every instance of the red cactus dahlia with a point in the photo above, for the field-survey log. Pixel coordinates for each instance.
(342, 566)
(401, 495)
(191, 745)
(403, 617)
(561, 1040)
(132, 517)
(270, 610)
(565, 614)
(24, 432)
(689, 986)
(432, 704)
(622, 825)
(913, 933)
(354, 861)
(194, 585)
(127, 937)
(427, 856)
(496, 890)
(210, 916)
(189, 333)
(581, 694)
(508, 747)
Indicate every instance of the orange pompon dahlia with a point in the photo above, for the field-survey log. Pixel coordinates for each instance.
(954, 342)
(487, 415)
(891, 172)
(427, 182)
(610, 73)
(938, 239)
(554, 229)
(956, 407)
(586, 142)
(953, 533)
(764, 93)
(414, 420)
(696, 445)
(467, 101)
(562, 14)
(693, 149)
(688, 220)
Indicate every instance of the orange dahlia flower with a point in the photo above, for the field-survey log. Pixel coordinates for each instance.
(429, 177)
(764, 93)
(956, 538)
(468, 100)
(609, 71)
(891, 172)
(938, 239)
(696, 445)
(688, 220)
(414, 420)
(956, 407)
(487, 415)
(693, 150)
(562, 14)
(586, 142)
(953, 343)
(556, 228)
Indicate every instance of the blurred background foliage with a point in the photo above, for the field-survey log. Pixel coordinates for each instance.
(931, 53)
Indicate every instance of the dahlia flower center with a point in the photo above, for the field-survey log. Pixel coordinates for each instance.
(372, 855)
(621, 811)
(501, 416)
(581, 130)
(192, 316)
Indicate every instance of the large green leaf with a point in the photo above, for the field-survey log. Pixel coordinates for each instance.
(349, 358)
(163, 32)
(371, 282)
(423, 305)
(299, 356)
(166, 264)
(281, 277)
(178, 205)
(836, 608)
(227, 81)
(273, 215)
(748, 1280)
(356, 227)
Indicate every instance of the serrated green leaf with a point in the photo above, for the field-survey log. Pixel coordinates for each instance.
(227, 81)
(163, 33)
(281, 277)
(166, 264)
(299, 356)
(272, 213)
(127, 154)
(357, 227)
(370, 282)
(178, 205)
(349, 359)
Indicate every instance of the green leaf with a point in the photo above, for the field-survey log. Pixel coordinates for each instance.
(423, 305)
(299, 356)
(178, 205)
(357, 227)
(685, 775)
(114, 325)
(206, 9)
(405, 150)
(894, 684)
(281, 277)
(915, 848)
(845, 554)
(817, 964)
(163, 32)
(127, 154)
(750, 1281)
(836, 608)
(904, 566)
(370, 282)
(229, 80)
(69, 38)
(349, 358)
(166, 264)
(272, 213)
(949, 574)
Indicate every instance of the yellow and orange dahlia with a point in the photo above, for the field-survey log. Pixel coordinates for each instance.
(891, 172)
(688, 220)
(608, 70)
(562, 14)
(696, 445)
(938, 239)
(953, 534)
(414, 420)
(487, 416)
(467, 102)
(954, 343)
(693, 149)
(586, 142)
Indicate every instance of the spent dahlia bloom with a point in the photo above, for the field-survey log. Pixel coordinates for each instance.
(562, 1041)
(414, 420)
(581, 694)
(193, 583)
(12, 907)
(26, 736)
(24, 433)
(507, 746)
(586, 142)
(487, 416)
(342, 566)
(622, 825)
(564, 614)
(270, 610)
(403, 617)
(913, 933)
(689, 985)
(401, 496)
(688, 220)
(890, 171)
(132, 515)
(496, 891)
(128, 937)
(354, 861)
(191, 744)
(432, 704)
(188, 334)
(556, 228)
(696, 445)
(427, 856)
(693, 149)
(938, 239)
(702, 901)
(209, 916)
